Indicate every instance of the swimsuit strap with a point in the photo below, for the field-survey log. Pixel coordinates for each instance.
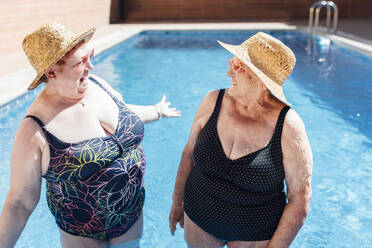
(37, 120)
(116, 100)
(279, 124)
(217, 107)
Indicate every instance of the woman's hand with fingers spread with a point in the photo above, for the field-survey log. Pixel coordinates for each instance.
(163, 108)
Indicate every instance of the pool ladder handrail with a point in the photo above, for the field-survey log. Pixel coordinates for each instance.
(318, 6)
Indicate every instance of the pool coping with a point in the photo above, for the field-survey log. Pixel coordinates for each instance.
(17, 82)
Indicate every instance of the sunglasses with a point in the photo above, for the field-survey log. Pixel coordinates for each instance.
(234, 67)
(89, 56)
(84, 60)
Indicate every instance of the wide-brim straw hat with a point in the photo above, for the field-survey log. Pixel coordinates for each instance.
(48, 44)
(268, 58)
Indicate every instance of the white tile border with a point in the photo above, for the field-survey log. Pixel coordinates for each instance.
(348, 40)
(15, 84)
(353, 43)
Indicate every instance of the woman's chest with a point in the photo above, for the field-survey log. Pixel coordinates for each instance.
(96, 116)
(258, 170)
(239, 138)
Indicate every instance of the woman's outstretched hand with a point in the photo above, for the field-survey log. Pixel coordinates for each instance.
(175, 216)
(164, 110)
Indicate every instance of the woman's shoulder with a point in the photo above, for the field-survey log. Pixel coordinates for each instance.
(293, 124)
(30, 133)
(211, 96)
(106, 85)
(206, 107)
(210, 100)
(35, 116)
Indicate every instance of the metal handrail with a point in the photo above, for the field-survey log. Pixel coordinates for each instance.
(335, 15)
(318, 6)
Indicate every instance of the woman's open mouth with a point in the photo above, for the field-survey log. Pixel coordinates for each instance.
(82, 84)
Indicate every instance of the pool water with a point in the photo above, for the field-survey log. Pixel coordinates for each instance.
(330, 88)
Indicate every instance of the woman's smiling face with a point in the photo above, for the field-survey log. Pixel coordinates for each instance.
(243, 79)
(70, 74)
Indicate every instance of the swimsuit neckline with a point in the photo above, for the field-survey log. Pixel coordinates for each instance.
(244, 156)
(103, 138)
(251, 153)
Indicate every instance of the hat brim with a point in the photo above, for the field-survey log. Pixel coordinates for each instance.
(85, 36)
(274, 88)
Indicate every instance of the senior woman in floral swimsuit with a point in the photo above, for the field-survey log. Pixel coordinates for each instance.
(85, 141)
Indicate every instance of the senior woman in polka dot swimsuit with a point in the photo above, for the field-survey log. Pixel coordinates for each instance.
(245, 142)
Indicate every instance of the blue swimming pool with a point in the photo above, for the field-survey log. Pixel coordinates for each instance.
(330, 88)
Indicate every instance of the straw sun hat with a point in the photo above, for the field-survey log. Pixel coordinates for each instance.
(48, 44)
(268, 58)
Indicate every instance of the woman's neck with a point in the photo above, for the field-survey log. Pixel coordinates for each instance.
(52, 96)
(253, 105)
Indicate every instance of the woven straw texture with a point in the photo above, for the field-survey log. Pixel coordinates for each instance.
(268, 58)
(48, 44)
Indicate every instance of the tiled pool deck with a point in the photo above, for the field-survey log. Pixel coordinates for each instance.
(16, 73)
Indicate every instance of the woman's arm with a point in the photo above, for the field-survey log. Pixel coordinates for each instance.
(204, 112)
(152, 113)
(25, 183)
(297, 160)
(148, 113)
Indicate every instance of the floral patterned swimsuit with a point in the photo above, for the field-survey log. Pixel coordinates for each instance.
(95, 187)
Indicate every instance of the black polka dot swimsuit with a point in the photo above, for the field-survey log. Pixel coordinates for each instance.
(241, 199)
